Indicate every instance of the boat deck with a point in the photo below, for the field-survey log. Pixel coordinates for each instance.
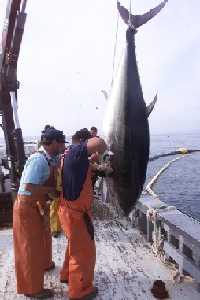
(125, 269)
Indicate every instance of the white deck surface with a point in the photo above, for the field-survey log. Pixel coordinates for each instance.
(125, 269)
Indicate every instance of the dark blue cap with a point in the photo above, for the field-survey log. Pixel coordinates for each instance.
(51, 134)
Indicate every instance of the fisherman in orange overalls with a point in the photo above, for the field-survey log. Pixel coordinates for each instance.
(31, 231)
(75, 216)
(52, 207)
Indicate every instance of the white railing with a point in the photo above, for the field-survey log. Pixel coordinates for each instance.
(172, 233)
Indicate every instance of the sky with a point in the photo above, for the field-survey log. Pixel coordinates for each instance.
(66, 59)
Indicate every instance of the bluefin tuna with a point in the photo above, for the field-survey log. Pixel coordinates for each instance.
(126, 125)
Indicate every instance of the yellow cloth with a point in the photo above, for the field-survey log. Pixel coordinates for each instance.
(54, 219)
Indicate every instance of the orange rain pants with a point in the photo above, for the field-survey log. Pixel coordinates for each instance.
(80, 256)
(32, 240)
(47, 229)
(47, 238)
(30, 253)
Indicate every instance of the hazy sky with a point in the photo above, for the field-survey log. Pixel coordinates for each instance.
(67, 55)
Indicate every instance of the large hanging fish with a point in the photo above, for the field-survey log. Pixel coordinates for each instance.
(126, 123)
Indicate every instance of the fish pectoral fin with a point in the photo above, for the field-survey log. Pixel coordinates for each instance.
(150, 107)
(139, 20)
(105, 94)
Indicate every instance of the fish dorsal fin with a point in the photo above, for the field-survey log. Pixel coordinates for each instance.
(139, 20)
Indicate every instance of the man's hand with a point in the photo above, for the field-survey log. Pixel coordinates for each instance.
(37, 189)
(54, 194)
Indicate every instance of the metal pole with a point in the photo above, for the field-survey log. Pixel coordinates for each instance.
(24, 6)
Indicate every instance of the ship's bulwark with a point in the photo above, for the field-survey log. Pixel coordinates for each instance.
(127, 130)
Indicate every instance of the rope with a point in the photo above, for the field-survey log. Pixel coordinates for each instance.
(155, 178)
(179, 151)
(116, 40)
(130, 9)
(115, 49)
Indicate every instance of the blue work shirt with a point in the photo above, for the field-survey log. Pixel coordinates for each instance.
(75, 170)
(36, 171)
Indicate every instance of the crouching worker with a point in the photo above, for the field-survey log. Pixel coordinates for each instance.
(75, 217)
(32, 241)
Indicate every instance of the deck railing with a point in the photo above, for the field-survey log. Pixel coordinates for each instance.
(172, 234)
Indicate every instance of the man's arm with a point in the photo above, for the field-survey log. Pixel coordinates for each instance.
(96, 145)
(38, 189)
(36, 173)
